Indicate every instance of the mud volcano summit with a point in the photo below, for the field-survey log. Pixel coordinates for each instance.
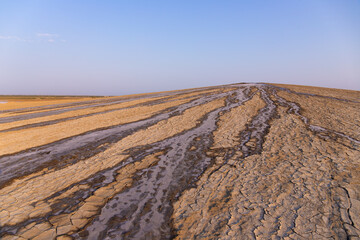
(239, 161)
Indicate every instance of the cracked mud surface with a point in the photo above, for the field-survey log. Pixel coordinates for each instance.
(240, 161)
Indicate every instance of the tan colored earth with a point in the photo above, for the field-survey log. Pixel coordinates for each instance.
(239, 161)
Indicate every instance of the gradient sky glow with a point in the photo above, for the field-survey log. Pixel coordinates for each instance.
(132, 46)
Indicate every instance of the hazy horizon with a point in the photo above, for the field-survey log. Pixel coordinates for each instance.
(169, 90)
(127, 47)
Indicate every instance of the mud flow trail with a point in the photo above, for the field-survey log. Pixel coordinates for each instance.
(240, 161)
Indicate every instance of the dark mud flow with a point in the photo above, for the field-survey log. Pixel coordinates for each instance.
(284, 172)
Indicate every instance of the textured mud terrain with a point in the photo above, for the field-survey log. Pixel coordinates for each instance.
(241, 161)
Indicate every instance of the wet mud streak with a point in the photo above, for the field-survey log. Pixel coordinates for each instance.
(252, 138)
(75, 148)
(158, 186)
(239, 161)
(319, 130)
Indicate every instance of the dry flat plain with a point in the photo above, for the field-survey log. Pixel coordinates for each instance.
(241, 161)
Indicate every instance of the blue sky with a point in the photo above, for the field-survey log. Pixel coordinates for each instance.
(124, 47)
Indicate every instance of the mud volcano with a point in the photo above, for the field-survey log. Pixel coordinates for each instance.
(240, 161)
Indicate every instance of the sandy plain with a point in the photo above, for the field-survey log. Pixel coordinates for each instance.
(239, 161)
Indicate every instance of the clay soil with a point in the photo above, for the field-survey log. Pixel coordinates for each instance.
(239, 161)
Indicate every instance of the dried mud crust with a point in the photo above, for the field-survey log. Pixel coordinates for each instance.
(240, 161)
